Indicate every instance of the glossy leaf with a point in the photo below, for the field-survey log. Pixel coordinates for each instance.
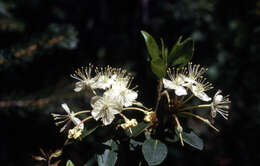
(181, 53)
(109, 157)
(151, 45)
(69, 163)
(158, 68)
(193, 140)
(154, 151)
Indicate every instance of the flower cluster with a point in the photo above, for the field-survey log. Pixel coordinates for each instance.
(186, 83)
(111, 94)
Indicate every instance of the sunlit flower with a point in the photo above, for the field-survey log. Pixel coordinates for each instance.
(67, 118)
(219, 103)
(175, 83)
(85, 79)
(105, 108)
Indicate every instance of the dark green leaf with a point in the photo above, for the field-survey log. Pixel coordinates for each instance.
(151, 45)
(193, 140)
(154, 151)
(138, 129)
(181, 53)
(89, 128)
(109, 157)
(69, 163)
(158, 68)
(164, 53)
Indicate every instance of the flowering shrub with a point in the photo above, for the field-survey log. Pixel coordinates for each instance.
(182, 92)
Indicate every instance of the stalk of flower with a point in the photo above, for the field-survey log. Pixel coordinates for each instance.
(85, 79)
(67, 119)
(178, 129)
(219, 103)
(199, 118)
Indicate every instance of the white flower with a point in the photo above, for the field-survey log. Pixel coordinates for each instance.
(84, 77)
(199, 88)
(219, 103)
(106, 78)
(105, 108)
(175, 83)
(68, 118)
(120, 89)
(194, 73)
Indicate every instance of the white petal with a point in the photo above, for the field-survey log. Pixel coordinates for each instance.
(108, 119)
(78, 89)
(96, 113)
(168, 84)
(78, 121)
(203, 96)
(180, 91)
(218, 99)
(65, 107)
(93, 100)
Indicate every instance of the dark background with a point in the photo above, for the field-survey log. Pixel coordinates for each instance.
(43, 42)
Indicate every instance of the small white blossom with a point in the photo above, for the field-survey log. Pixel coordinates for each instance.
(68, 118)
(85, 79)
(194, 72)
(105, 108)
(106, 78)
(219, 103)
(120, 89)
(175, 83)
(199, 90)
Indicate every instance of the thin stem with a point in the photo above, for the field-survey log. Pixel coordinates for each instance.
(200, 118)
(84, 120)
(136, 103)
(124, 117)
(165, 93)
(81, 112)
(185, 101)
(135, 108)
(159, 88)
(178, 125)
(196, 106)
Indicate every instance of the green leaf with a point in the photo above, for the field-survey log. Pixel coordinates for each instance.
(69, 163)
(154, 151)
(158, 68)
(181, 53)
(193, 140)
(109, 157)
(138, 129)
(89, 128)
(151, 45)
